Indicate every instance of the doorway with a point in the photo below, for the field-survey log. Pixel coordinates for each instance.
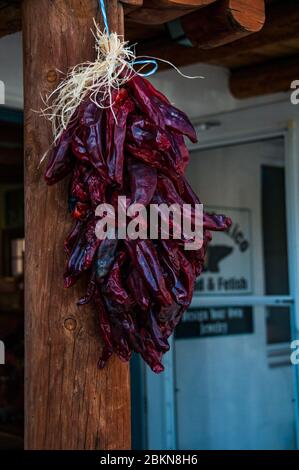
(239, 391)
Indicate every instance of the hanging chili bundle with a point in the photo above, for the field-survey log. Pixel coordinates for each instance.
(131, 146)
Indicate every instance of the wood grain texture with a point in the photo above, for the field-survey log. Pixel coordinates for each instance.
(250, 15)
(70, 404)
(184, 4)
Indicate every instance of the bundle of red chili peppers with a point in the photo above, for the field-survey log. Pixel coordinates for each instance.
(135, 148)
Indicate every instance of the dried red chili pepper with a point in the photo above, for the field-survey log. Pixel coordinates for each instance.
(136, 284)
(122, 107)
(93, 129)
(145, 260)
(143, 181)
(61, 162)
(105, 258)
(158, 109)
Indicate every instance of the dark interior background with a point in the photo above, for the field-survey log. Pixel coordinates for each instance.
(11, 279)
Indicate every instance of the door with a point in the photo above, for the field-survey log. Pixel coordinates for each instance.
(234, 382)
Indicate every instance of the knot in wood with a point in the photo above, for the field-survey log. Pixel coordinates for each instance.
(52, 76)
(70, 324)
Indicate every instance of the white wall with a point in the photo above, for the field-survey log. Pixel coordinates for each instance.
(208, 96)
(196, 97)
(11, 69)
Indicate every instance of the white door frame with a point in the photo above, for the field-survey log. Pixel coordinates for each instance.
(160, 396)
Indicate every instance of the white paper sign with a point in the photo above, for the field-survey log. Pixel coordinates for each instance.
(228, 262)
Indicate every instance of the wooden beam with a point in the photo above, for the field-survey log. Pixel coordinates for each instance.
(70, 404)
(224, 22)
(152, 12)
(281, 25)
(161, 11)
(262, 79)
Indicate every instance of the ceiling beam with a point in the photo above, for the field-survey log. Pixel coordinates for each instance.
(155, 12)
(282, 24)
(224, 22)
(140, 11)
(262, 79)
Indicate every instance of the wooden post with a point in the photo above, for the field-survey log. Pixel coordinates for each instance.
(70, 404)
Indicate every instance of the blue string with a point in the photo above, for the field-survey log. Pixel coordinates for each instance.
(140, 62)
(104, 14)
(147, 62)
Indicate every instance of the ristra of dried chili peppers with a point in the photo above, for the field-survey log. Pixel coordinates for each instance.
(135, 148)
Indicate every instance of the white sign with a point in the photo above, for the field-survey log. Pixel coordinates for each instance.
(2, 353)
(2, 92)
(228, 261)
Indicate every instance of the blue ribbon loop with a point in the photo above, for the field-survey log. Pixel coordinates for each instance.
(147, 62)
